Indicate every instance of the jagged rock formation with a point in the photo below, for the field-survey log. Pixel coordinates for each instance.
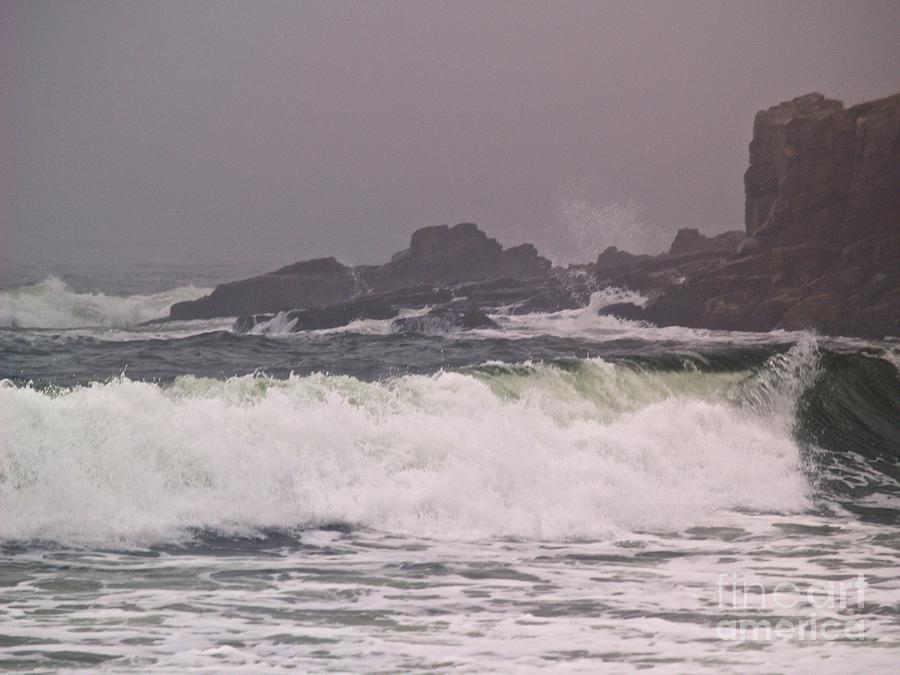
(822, 174)
(439, 256)
(821, 250)
(459, 264)
(613, 259)
(456, 306)
(823, 224)
(689, 240)
(447, 255)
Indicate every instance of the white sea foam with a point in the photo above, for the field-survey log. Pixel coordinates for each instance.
(281, 325)
(585, 323)
(52, 304)
(542, 453)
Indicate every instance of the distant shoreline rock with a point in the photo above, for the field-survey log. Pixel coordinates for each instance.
(437, 257)
(820, 251)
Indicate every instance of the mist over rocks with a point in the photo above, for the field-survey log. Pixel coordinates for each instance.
(820, 250)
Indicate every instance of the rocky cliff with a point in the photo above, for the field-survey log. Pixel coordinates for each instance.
(820, 250)
(823, 174)
(822, 220)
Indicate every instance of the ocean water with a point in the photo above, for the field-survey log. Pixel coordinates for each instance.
(569, 493)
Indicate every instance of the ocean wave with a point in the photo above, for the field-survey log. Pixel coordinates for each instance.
(282, 325)
(535, 451)
(585, 323)
(52, 304)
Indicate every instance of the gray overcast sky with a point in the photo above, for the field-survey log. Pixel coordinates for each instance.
(329, 127)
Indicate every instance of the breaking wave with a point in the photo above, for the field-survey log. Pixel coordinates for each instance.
(52, 304)
(538, 451)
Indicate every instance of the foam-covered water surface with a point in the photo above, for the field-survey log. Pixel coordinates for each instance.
(569, 492)
(321, 600)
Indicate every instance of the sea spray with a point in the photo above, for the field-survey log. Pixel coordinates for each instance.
(52, 304)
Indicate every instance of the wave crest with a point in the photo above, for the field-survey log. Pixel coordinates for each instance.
(52, 304)
(536, 451)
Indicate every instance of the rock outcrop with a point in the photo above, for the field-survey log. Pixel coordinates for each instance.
(448, 255)
(318, 318)
(311, 283)
(689, 240)
(456, 306)
(613, 259)
(438, 256)
(821, 173)
(444, 320)
(823, 224)
(820, 250)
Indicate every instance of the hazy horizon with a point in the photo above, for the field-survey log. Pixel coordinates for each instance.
(282, 131)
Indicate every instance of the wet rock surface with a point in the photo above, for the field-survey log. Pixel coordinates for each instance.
(444, 320)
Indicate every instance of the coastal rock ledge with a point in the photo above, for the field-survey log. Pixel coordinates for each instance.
(457, 265)
(820, 250)
(822, 226)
